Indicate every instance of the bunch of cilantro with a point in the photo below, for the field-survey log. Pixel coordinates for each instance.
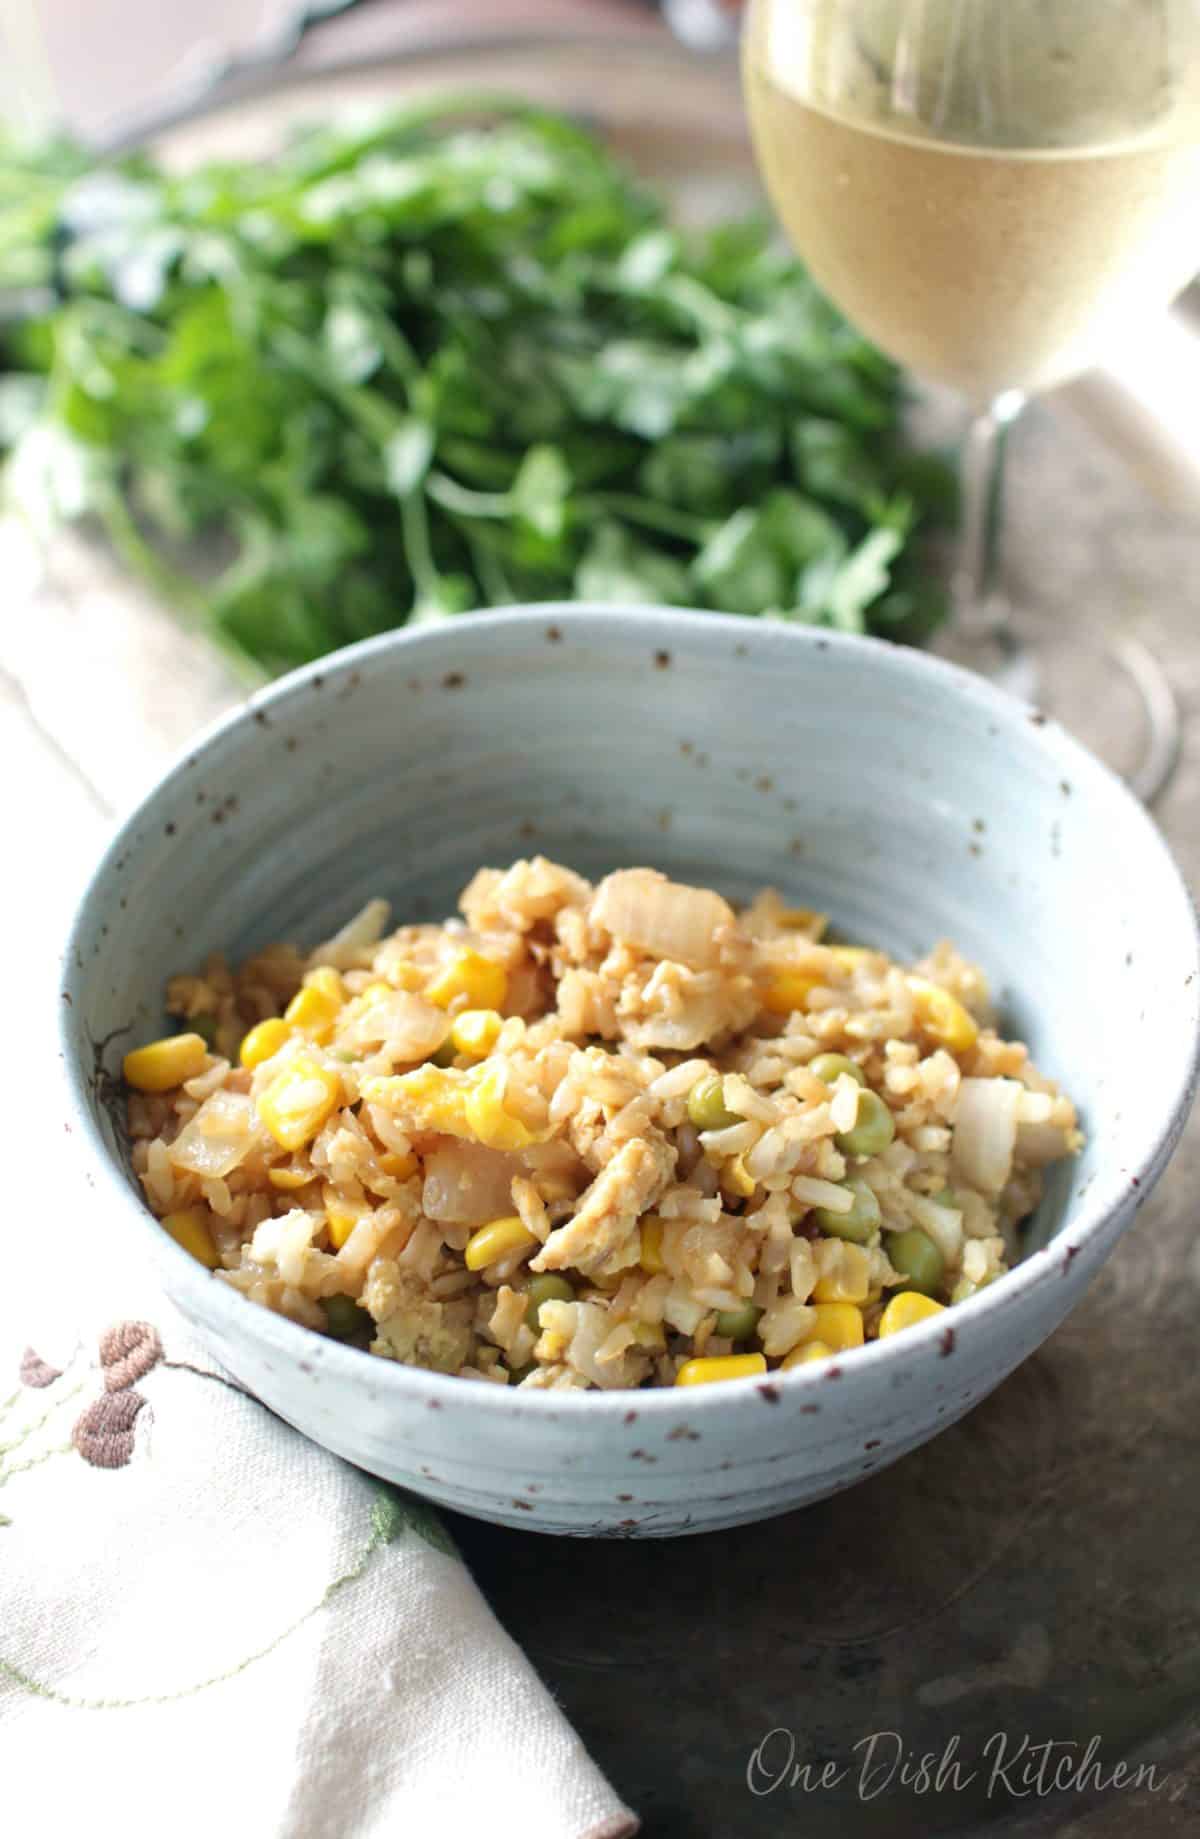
(458, 359)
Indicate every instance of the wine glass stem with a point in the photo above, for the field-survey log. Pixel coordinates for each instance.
(978, 603)
(983, 634)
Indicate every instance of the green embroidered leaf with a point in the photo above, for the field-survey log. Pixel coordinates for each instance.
(394, 1513)
(386, 1519)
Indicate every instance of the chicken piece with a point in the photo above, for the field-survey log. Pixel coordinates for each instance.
(609, 1210)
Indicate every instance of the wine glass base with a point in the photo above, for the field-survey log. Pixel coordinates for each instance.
(1111, 694)
(1163, 721)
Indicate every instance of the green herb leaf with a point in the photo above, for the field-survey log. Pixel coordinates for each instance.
(458, 357)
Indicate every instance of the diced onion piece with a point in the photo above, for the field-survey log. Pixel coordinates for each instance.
(681, 1311)
(408, 1026)
(944, 1225)
(348, 944)
(218, 1138)
(985, 1132)
(663, 918)
(467, 1184)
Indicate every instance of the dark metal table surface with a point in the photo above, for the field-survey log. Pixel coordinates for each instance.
(1027, 1579)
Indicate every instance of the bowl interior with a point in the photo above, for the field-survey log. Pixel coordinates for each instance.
(905, 799)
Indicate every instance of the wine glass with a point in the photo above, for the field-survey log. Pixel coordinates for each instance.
(992, 190)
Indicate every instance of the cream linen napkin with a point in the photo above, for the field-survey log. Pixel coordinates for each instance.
(210, 1627)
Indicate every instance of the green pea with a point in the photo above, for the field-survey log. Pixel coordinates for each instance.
(915, 1256)
(706, 1104)
(738, 1324)
(517, 1373)
(862, 1219)
(446, 1055)
(545, 1288)
(873, 1130)
(347, 1320)
(830, 1067)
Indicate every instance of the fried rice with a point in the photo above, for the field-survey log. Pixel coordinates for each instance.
(603, 1135)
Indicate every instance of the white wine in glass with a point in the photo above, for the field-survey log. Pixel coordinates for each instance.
(992, 190)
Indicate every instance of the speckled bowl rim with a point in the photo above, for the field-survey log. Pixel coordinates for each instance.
(639, 628)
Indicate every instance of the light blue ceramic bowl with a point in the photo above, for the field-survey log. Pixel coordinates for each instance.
(906, 798)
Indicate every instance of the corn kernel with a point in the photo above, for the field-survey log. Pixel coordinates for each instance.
(703, 1372)
(846, 1276)
(190, 1228)
(943, 1016)
(316, 1006)
(650, 1257)
(298, 1101)
(736, 1178)
(805, 1354)
(476, 1031)
(288, 1180)
(400, 1165)
(342, 1213)
(906, 1309)
(481, 980)
(497, 1240)
(405, 975)
(650, 1335)
(160, 1065)
(264, 1041)
(839, 1325)
(788, 990)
